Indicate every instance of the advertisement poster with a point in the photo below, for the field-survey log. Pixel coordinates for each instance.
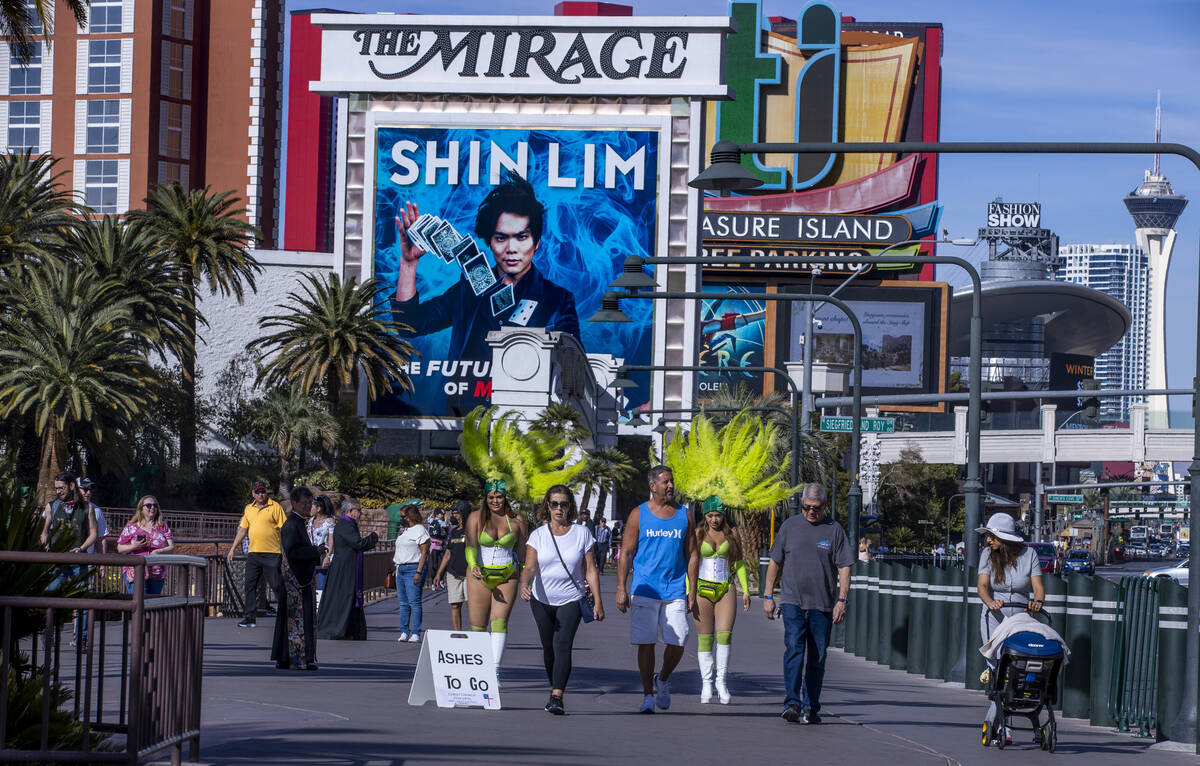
(732, 336)
(471, 197)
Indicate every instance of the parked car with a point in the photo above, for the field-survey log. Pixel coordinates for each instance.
(1177, 572)
(1080, 561)
(1047, 556)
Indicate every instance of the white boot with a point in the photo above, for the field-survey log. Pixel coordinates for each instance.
(722, 665)
(706, 676)
(498, 641)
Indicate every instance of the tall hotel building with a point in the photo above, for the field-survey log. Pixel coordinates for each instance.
(151, 92)
(1121, 271)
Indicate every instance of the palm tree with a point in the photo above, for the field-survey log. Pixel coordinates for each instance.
(35, 209)
(563, 420)
(68, 355)
(328, 333)
(207, 236)
(288, 419)
(608, 468)
(126, 252)
(17, 20)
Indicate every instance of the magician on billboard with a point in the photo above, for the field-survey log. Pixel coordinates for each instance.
(514, 293)
(483, 227)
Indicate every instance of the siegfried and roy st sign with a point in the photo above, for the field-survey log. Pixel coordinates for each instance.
(553, 55)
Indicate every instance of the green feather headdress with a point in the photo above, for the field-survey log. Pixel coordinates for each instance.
(734, 463)
(529, 463)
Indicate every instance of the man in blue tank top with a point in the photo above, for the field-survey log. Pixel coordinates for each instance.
(656, 539)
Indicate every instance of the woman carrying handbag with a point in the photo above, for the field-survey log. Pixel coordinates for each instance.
(562, 585)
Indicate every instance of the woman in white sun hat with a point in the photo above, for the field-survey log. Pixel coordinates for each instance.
(1008, 571)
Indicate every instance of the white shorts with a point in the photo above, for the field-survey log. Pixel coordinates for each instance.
(649, 617)
(456, 589)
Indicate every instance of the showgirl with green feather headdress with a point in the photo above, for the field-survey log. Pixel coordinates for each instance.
(726, 469)
(515, 465)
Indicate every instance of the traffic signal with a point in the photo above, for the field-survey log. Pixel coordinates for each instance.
(1091, 404)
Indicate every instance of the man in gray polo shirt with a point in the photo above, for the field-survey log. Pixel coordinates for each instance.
(811, 558)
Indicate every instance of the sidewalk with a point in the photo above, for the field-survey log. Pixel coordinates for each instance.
(355, 710)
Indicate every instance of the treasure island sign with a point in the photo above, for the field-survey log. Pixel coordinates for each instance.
(770, 236)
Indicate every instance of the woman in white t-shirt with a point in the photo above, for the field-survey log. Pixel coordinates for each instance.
(558, 569)
(412, 551)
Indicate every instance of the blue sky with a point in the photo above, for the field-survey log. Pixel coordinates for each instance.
(1023, 70)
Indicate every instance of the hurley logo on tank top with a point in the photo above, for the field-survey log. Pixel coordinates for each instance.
(675, 533)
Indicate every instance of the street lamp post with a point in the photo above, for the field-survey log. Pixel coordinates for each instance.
(725, 172)
(610, 308)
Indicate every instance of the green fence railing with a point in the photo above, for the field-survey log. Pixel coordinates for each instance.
(1127, 639)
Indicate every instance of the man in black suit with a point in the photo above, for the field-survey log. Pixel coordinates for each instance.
(510, 220)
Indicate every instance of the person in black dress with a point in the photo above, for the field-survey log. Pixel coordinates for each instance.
(341, 615)
(295, 646)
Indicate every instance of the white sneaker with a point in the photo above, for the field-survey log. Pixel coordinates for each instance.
(662, 693)
(647, 704)
(415, 638)
(403, 637)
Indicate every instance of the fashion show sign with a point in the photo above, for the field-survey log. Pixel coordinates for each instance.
(552, 55)
(456, 669)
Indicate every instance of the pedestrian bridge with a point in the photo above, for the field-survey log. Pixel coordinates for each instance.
(1047, 445)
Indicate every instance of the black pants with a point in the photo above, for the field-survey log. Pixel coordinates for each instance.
(601, 551)
(260, 566)
(556, 627)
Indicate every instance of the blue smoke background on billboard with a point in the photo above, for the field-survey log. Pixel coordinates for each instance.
(588, 232)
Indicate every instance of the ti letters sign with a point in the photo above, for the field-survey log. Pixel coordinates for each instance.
(571, 56)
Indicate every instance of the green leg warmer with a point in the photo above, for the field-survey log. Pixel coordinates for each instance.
(499, 626)
(477, 628)
(724, 637)
(704, 642)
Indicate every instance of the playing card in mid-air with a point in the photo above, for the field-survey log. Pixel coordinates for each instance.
(479, 274)
(444, 238)
(523, 312)
(417, 232)
(465, 250)
(502, 300)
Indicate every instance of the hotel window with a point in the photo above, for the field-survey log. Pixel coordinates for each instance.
(100, 186)
(24, 125)
(103, 126)
(173, 70)
(177, 19)
(104, 66)
(25, 74)
(173, 130)
(106, 16)
(35, 21)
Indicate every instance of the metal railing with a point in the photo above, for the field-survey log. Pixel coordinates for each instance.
(194, 524)
(135, 676)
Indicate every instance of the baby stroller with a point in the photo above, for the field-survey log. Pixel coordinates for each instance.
(1024, 682)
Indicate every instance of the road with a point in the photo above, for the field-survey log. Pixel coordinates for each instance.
(355, 711)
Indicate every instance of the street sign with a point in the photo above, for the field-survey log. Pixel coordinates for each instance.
(1075, 499)
(841, 425)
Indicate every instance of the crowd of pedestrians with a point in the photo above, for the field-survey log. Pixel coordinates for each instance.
(675, 564)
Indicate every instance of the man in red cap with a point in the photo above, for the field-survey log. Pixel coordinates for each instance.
(261, 520)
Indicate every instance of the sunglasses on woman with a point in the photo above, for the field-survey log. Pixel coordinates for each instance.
(559, 504)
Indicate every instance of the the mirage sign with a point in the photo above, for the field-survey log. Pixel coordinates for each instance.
(571, 56)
